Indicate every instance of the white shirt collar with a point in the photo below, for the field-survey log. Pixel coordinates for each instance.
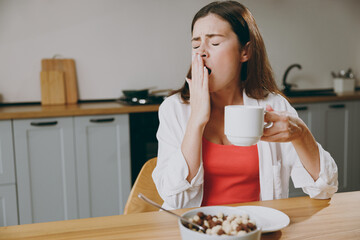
(249, 101)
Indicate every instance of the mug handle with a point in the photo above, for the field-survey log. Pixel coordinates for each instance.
(268, 124)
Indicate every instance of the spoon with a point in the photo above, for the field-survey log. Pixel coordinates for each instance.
(140, 195)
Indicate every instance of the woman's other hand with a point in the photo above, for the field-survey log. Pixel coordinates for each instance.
(285, 128)
(199, 92)
(289, 128)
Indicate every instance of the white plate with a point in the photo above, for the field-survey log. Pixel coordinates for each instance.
(271, 219)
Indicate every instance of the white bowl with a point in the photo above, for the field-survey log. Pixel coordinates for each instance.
(187, 234)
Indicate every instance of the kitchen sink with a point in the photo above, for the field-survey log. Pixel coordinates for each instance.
(310, 93)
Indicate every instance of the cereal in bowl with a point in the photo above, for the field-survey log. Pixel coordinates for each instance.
(220, 224)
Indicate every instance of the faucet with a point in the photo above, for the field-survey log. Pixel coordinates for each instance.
(287, 86)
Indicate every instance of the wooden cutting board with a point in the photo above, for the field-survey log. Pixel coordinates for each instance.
(52, 88)
(67, 66)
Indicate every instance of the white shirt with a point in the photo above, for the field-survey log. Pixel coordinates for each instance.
(277, 161)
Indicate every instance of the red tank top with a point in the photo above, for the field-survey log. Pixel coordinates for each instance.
(231, 174)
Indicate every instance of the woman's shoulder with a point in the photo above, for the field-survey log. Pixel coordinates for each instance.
(275, 97)
(173, 110)
(173, 103)
(277, 101)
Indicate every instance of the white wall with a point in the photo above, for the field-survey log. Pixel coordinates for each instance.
(321, 35)
(133, 44)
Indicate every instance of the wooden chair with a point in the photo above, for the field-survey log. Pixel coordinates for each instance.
(143, 184)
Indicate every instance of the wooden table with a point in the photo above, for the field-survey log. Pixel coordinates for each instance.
(338, 218)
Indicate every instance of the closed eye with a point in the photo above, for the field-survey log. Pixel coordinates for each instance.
(215, 44)
(195, 47)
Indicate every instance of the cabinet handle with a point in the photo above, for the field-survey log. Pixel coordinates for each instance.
(43, 124)
(102, 120)
(301, 108)
(337, 106)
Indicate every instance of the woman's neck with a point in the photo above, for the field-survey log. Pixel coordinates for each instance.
(229, 96)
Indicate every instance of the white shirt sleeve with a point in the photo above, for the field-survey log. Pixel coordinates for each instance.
(327, 183)
(172, 170)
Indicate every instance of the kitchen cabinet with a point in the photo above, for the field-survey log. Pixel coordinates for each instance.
(8, 199)
(306, 113)
(7, 170)
(72, 167)
(45, 169)
(309, 113)
(103, 164)
(333, 125)
(337, 138)
(354, 170)
(8, 207)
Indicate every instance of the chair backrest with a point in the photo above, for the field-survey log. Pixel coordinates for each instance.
(143, 184)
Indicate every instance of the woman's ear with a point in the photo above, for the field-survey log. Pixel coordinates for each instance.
(245, 53)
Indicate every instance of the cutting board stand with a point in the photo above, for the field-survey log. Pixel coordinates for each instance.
(58, 82)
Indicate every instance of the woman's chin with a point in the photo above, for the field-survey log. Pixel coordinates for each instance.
(214, 87)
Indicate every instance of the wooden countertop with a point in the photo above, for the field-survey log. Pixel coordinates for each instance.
(38, 111)
(342, 97)
(338, 218)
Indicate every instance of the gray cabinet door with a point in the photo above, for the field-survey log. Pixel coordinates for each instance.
(354, 168)
(45, 165)
(333, 126)
(307, 112)
(8, 207)
(8, 202)
(338, 117)
(311, 116)
(7, 170)
(103, 164)
(304, 112)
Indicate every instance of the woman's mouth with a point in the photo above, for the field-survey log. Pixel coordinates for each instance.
(208, 69)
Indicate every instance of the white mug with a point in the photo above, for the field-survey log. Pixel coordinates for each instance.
(244, 125)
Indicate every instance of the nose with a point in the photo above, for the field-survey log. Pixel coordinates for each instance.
(204, 54)
(202, 51)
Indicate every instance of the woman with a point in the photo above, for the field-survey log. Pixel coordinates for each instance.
(197, 165)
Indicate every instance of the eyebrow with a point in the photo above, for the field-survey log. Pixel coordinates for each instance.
(207, 35)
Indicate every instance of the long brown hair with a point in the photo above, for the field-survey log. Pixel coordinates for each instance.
(256, 74)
